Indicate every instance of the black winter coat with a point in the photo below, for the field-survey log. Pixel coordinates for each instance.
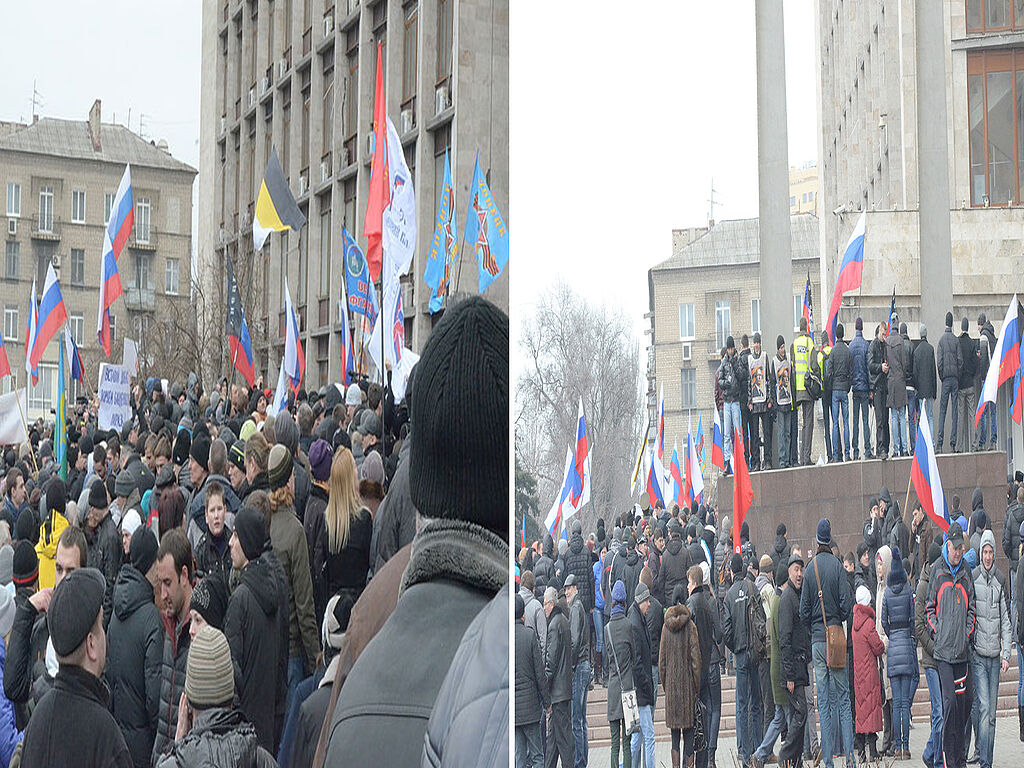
(859, 363)
(841, 363)
(313, 525)
(643, 677)
(135, 645)
(73, 726)
(969, 356)
(924, 370)
(343, 572)
(176, 642)
(655, 624)
(1011, 533)
(736, 631)
(25, 647)
(105, 554)
(253, 627)
(211, 561)
(558, 660)
(876, 355)
(675, 561)
(620, 648)
(221, 737)
(531, 681)
(794, 637)
(578, 563)
(948, 359)
(708, 620)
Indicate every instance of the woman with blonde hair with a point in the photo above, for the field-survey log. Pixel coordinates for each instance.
(341, 555)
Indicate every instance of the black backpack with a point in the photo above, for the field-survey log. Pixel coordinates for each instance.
(757, 642)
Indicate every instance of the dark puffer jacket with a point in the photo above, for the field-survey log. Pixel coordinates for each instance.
(343, 572)
(924, 370)
(558, 660)
(898, 623)
(105, 554)
(172, 681)
(219, 737)
(252, 626)
(544, 568)
(794, 637)
(531, 682)
(675, 561)
(135, 644)
(859, 363)
(211, 560)
(841, 363)
(579, 563)
(642, 676)
(969, 356)
(896, 379)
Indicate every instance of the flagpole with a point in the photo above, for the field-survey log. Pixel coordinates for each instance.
(24, 423)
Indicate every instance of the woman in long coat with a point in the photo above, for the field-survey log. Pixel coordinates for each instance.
(679, 670)
(867, 649)
(618, 640)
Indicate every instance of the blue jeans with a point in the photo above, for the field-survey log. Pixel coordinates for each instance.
(732, 419)
(296, 674)
(645, 734)
(911, 418)
(841, 402)
(933, 748)
(654, 677)
(772, 734)
(988, 416)
(898, 430)
(861, 408)
(950, 389)
(986, 689)
(902, 693)
(599, 629)
(748, 706)
(833, 704)
(580, 681)
(715, 713)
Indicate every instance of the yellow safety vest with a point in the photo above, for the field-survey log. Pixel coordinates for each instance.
(802, 346)
(822, 354)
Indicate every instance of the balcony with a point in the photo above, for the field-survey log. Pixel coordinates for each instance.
(47, 229)
(146, 243)
(139, 299)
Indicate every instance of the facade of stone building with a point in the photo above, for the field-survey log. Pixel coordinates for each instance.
(708, 290)
(869, 159)
(59, 178)
(803, 189)
(298, 76)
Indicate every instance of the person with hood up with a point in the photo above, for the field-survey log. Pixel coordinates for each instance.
(867, 650)
(897, 617)
(992, 645)
(135, 649)
(894, 531)
(253, 626)
(618, 639)
(883, 564)
(50, 532)
(679, 668)
(544, 568)
(780, 549)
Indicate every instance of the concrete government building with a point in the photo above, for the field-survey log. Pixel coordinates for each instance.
(868, 154)
(298, 76)
(59, 178)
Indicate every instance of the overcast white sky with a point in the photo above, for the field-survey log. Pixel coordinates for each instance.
(142, 57)
(621, 115)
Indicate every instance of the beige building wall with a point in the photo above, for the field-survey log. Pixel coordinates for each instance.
(803, 189)
(299, 75)
(33, 158)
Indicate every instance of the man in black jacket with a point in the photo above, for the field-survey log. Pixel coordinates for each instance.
(531, 692)
(924, 380)
(878, 369)
(579, 632)
(72, 724)
(708, 620)
(950, 364)
(842, 377)
(1011, 544)
(965, 397)
(544, 568)
(736, 631)
(558, 667)
(794, 643)
(643, 680)
(579, 563)
(105, 549)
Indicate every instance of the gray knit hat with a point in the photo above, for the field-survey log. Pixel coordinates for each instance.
(279, 466)
(6, 564)
(209, 677)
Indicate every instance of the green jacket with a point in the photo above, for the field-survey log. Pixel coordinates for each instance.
(779, 691)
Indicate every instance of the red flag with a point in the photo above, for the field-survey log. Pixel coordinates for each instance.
(380, 195)
(742, 492)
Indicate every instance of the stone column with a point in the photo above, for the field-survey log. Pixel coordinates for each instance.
(773, 174)
(936, 264)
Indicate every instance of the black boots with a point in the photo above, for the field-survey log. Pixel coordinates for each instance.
(1020, 719)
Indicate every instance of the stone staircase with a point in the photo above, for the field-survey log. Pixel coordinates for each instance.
(597, 707)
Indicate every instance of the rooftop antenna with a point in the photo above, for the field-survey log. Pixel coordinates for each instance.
(36, 101)
(142, 124)
(712, 201)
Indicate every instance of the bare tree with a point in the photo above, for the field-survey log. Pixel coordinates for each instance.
(575, 350)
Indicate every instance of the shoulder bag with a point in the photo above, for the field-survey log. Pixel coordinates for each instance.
(835, 637)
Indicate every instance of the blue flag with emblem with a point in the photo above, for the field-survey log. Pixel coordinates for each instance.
(444, 248)
(362, 299)
(485, 230)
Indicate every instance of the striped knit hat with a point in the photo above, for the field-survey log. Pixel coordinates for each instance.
(209, 678)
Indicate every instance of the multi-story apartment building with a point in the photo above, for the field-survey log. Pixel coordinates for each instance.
(298, 76)
(708, 290)
(59, 179)
(803, 189)
(869, 154)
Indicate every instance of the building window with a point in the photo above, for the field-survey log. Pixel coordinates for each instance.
(40, 396)
(755, 315)
(171, 276)
(13, 251)
(442, 143)
(410, 43)
(77, 266)
(10, 323)
(792, 201)
(687, 328)
(77, 325)
(13, 199)
(78, 206)
(723, 322)
(46, 209)
(142, 209)
(349, 192)
(445, 26)
(142, 271)
(9, 383)
(303, 263)
(994, 15)
(108, 203)
(798, 311)
(325, 254)
(995, 103)
(689, 382)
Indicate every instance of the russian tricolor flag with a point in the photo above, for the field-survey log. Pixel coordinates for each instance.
(119, 228)
(52, 315)
(74, 358)
(556, 516)
(679, 485)
(1005, 363)
(294, 360)
(30, 337)
(581, 464)
(5, 364)
(924, 474)
(851, 271)
(655, 480)
(718, 444)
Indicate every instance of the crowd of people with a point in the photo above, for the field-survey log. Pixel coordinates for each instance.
(827, 647)
(771, 397)
(213, 585)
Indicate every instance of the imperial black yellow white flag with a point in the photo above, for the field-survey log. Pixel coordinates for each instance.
(276, 209)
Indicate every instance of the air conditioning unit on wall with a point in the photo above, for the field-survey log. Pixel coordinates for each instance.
(687, 352)
(442, 98)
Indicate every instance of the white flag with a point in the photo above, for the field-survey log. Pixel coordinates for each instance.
(399, 219)
(12, 424)
(280, 402)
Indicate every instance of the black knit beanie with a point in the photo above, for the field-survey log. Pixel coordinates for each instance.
(200, 451)
(27, 527)
(25, 566)
(251, 530)
(143, 549)
(459, 462)
(57, 496)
